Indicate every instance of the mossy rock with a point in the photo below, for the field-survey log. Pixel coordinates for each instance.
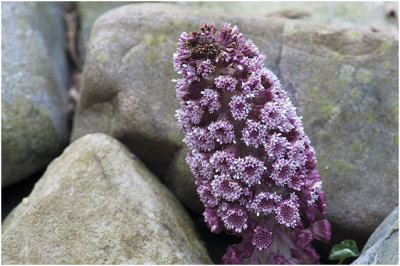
(34, 88)
(96, 204)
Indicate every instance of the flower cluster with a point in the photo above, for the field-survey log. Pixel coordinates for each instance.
(254, 165)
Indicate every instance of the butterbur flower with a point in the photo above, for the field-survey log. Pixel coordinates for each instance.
(213, 221)
(226, 187)
(302, 238)
(210, 100)
(321, 230)
(239, 107)
(249, 170)
(262, 237)
(223, 161)
(235, 218)
(225, 82)
(237, 253)
(264, 202)
(200, 139)
(287, 211)
(254, 165)
(254, 133)
(222, 131)
(205, 68)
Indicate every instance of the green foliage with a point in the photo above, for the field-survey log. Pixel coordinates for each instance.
(346, 249)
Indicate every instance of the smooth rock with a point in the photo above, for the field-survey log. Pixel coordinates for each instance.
(383, 245)
(344, 83)
(34, 88)
(352, 15)
(344, 14)
(95, 204)
(180, 181)
(88, 13)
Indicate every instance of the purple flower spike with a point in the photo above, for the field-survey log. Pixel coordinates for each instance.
(255, 167)
(275, 146)
(199, 165)
(181, 88)
(306, 256)
(204, 190)
(252, 86)
(189, 115)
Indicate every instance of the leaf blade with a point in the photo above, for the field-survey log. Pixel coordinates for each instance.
(346, 249)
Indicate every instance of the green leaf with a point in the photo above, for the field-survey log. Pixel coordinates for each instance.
(346, 249)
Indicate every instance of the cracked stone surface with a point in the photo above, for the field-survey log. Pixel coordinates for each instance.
(34, 86)
(383, 245)
(95, 204)
(344, 83)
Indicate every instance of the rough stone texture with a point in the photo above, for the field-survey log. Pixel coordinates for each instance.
(34, 88)
(97, 205)
(383, 245)
(343, 81)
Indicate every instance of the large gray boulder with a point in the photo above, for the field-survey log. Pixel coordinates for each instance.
(95, 204)
(344, 83)
(383, 245)
(353, 15)
(34, 88)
